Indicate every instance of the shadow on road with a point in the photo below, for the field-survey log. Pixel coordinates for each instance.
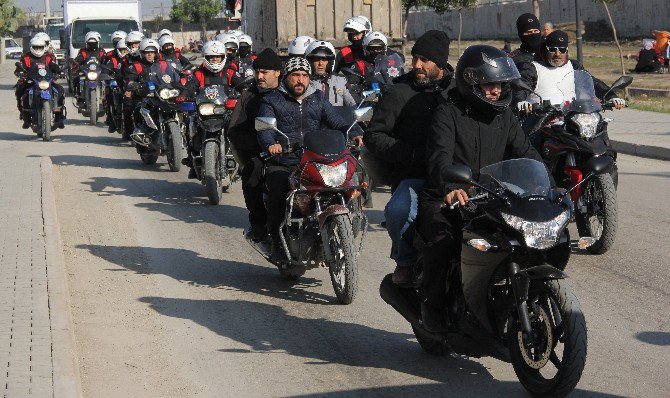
(105, 163)
(24, 135)
(189, 267)
(654, 338)
(656, 174)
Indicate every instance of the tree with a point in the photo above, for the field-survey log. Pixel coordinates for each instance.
(536, 9)
(616, 39)
(460, 5)
(9, 16)
(407, 4)
(196, 11)
(442, 6)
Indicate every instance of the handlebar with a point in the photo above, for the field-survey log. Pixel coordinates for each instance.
(285, 151)
(483, 195)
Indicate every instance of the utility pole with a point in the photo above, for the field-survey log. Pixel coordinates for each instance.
(47, 9)
(580, 55)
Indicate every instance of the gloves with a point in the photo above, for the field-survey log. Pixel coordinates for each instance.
(618, 103)
(524, 106)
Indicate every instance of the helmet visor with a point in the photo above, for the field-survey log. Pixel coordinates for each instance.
(496, 70)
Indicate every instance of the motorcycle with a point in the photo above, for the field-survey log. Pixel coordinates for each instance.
(42, 100)
(159, 131)
(506, 293)
(386, 68)
(570, 134)
(115, 106)
(324, 223)
(210, 150)
(91, 90)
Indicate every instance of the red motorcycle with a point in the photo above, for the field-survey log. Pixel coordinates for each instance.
(324, 224)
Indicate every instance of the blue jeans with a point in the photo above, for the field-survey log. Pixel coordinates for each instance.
(400, 214)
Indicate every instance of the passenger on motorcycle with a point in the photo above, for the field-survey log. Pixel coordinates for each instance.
(36, 58)
(356, 28)
(92, 49)
(528, 29)
(395, 141)
(475, 127)
(299, 110)
(116, 36)
(172, 55)
(114, 61)
(321, 55)
(244, 140)
(246, 56)
(299, 45)
(133, 40)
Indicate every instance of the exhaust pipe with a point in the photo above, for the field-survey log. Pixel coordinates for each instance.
(394, 296)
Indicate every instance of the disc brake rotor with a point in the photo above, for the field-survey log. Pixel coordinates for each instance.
(541, 326)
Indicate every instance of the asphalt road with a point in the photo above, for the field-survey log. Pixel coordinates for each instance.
(169, 300)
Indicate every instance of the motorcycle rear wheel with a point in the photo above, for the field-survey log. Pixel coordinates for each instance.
(600, 221)
(211, 172)
(343, 271)
(174, 146)
(93, 107)
(45, 121)
(556, 319)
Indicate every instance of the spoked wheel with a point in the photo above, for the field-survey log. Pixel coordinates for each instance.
(343, 270)
(212, 172)
(600, 220)
(175, 146)
(550, 360)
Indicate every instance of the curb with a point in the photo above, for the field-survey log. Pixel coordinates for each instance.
(66, 379)
(645, 151)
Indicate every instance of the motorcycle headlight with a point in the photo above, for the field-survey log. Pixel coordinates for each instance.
(168, 93)
(206, 109)
(333, 176)
(539, 235)
(92, 75)
(587, 123)
(43, 85)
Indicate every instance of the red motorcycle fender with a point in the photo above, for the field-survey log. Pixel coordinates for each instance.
(329, 212)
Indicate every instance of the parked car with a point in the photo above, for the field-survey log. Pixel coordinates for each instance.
(12, 49)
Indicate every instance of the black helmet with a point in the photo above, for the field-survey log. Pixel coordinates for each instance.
(485, 64)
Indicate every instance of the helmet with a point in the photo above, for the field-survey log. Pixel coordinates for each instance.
(374, 39)
(245, 45)
(321, 49)
(165, 39)
(44, 36)
(229, 40)
(246, 39)
(118, 35)
(299, 45)
(92, 36)
(236, 32)
(359, 23)
(120, 45)
(35, 43)
(164, 32)
(149, 45)
(134, 37)
(214, 48)
(482, 64)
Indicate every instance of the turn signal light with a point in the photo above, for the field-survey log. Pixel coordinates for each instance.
(480, 244)
(585, 242)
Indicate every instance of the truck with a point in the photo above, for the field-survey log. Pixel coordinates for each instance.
(274, 23)
(54, 27)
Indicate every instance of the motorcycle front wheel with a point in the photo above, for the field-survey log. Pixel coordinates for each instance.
(212, 171)
(343, 269)
(600, 219)
(174, 146)
(93, 107)
(550, 360)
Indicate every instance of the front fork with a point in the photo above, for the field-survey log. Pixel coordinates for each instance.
(520, 287)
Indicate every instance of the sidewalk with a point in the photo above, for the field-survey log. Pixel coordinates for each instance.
(640, 133)
(36, 343)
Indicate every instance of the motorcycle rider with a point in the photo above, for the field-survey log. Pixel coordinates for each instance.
(528, 29)
(133, 40)
(116, 36)
(246, 56)
(244, 140)
(114, 61)
(475, 126)
(35, 57)
(356, 28)
(321, 55)
(47, 40)
(299, 110)
(394, 152)
(162, 33)
(91, 49)
(375, 44)
(299, 45)
(172, 55)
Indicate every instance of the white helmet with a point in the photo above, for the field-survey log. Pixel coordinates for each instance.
(165, 39)
(120, 45)
(229, 40)
(245, 39)
(299, 45)
(134, 37)
(92, 36)
(212, 48)
(44, 36)
(148, 44)
(118, 35)
(374, 39)
(236, 32)
(359, 23)
(320, 48)
(164, 32)
(36, 42)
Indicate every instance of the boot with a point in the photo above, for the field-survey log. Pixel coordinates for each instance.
(402, 275)
(277, 253)
(191, 174)
(432, 318)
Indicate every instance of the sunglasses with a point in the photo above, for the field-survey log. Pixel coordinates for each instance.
(563, 50)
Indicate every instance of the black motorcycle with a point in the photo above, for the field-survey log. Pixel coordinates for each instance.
(115, 106)
(43, 108)
(506, 293)
(92, 90)
(159, 130)
(568, 135)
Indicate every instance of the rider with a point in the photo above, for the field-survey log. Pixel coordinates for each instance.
(116, 36)
(299, 45)
(47, 40)
(299, 110)
(375, 43)
(528, 29)
(395, 141)
(114, 61)
(133, 40)
(244, 139)
(356, 28)
(171, 54)
(91, 50)
(321, 55)
(36, 58)
(163, 32)
(474, 127)
(246, 55)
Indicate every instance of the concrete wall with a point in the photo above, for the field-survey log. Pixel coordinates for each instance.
(632, 17)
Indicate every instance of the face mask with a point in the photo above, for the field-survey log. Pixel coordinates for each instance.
(531, 42)
(92, 46)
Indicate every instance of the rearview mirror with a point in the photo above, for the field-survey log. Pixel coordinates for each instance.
(265, 123)
(363, 115)
(369, 95)
(244, 82)
(459, 173)
(622, 82)
(600, 164)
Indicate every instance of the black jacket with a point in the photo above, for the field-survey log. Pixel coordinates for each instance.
(241, 131)
(521, 56)
(399, 127)
(460, 134)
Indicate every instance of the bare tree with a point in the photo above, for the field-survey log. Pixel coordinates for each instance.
(616, 39)
(536, 8)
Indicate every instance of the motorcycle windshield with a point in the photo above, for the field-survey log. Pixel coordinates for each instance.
(388, 67)
(579, 93)
(328, 143)
(523, 177)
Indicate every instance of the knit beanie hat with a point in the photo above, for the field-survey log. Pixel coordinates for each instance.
(433, 45)
(295, 64)
(525, 22)
(267, 59)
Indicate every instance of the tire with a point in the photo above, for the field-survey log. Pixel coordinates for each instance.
(431, 346)
(599, 195)
(148, 158)
(343, 271)
(45, 122)
(211, 172)
(93, 107)
(546, 299)
(174, 146)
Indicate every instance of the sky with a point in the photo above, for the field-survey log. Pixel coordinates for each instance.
(149, 7)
